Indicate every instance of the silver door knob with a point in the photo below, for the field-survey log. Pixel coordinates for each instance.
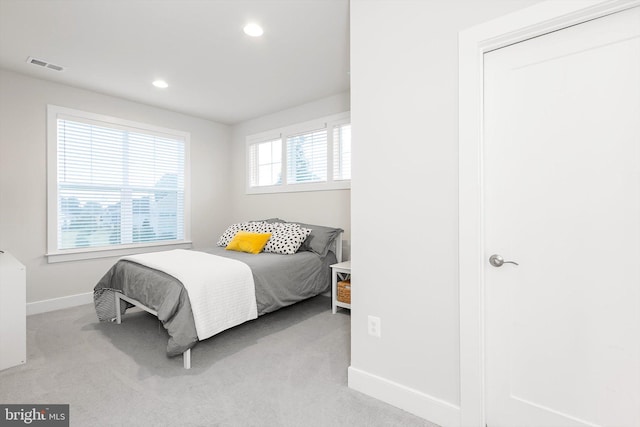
(497, 261)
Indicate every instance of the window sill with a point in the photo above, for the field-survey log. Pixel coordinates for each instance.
(302, 187)
(82, 254)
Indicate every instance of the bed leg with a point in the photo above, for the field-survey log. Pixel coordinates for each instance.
(118, 315)
(186, 359)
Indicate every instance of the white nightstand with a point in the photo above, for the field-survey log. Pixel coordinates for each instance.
(341, 270)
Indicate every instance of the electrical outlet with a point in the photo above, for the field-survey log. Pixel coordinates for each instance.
(374, 326)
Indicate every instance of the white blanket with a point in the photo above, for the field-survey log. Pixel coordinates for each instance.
(221, 290)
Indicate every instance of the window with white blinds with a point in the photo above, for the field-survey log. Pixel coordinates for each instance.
(308, 156)
(115, 184)
(342, 152)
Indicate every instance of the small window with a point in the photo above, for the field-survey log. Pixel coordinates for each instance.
(114, 184)
(265, 160)
(308, 156)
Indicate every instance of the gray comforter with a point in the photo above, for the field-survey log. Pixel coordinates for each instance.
(280, 280)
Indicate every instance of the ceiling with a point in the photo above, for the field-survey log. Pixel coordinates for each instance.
(214, 70)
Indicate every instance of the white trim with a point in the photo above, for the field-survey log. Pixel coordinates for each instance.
(53, 304)
(301, 187)
(473, 43)
(92, 253)
(428, 407)
(104, 120)
(339, 118)
(53, 254)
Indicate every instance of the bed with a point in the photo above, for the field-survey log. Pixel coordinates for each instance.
(162, 283)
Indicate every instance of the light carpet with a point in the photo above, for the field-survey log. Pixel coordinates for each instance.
(287, 368)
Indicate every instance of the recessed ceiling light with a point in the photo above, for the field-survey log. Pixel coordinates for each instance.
(161, 84)
(252, 29)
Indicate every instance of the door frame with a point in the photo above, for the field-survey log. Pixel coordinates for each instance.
(473, 43)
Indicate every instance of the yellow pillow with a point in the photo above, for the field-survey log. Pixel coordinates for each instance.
(252, 243)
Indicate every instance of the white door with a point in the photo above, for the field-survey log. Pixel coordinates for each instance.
(561, 194)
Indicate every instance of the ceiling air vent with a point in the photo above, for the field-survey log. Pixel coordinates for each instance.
(45, 64)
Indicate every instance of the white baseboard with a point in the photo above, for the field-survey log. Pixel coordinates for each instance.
(59, 303)
(430, 408)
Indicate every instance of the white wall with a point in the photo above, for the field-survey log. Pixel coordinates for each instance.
(23, 144)
(404, 92)
(332, 208)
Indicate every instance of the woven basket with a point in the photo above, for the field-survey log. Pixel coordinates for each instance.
(344, 291)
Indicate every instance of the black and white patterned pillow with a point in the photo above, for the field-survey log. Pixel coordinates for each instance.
(231, 232)
(286, 238)
(259, 227)
(251, 227)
